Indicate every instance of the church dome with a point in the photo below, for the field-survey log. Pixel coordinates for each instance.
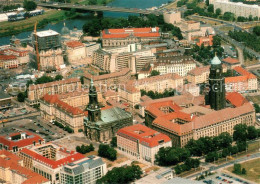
(215, 61)
(65, 30)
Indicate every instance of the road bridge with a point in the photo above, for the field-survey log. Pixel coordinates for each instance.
(96, 8)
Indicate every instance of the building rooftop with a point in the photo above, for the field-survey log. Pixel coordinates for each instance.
(123, 72)
(19, 139)
(145, 135)
(74, 44)
(46, 33)
(84, 165)
(126, 32)
(54, 99)
(49, 84)
(230, 60)
(65, 156)
(10, 161)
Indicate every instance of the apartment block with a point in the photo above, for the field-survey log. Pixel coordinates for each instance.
(125, 36)
(141, 142)
(48, 160)
(35, 92)
(12, 171)
(87, 170)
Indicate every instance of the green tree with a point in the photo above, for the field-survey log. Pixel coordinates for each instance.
(121, 175)
(240, 132)
(251, 132)
(228, 16)
(211, 8)
(114, 142)
(44, 79)
(237, 169)
(92, 2)
(216, 41)
(241, 146)
(58, 77)
(211, 156)
(107, 152)
(243, 171)
(29, 5)
(155, 72)
(257, 108)
(178, 169)
(21, 97)
(218, 11)
(82, 79)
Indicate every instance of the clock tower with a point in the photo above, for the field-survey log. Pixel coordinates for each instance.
(217, 99)
(93, 108)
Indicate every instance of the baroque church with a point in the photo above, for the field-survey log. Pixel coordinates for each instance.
(102, 124)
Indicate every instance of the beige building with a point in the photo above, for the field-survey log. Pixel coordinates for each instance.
(130, 56)
(48, 160)
(201, 74)
(22, 55)
(184, 124)
(238, 8)
(130, 92)
(172, 17)
(51, 59)
(111, 80)
(125, 36)
(68, 108)
(76, 53)
(141, 142)
(12, 171)
(8, 61)
(35, 92)
(180, 65)
(244, 81)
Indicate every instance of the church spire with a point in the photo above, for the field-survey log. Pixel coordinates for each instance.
(217, 93)
(93, 108)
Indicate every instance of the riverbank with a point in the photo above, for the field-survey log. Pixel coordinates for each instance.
(50, 16)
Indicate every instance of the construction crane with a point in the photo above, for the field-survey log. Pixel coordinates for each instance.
(36, 47)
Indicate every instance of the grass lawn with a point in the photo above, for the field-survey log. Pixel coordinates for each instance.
(255, 99)
(28, 24)
(250, 62)
(252, 168)
(153, 168)
(226, 28)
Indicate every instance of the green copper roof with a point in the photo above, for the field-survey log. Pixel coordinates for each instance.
(112, 115)
(215, 61)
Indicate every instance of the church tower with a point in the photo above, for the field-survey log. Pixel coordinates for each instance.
(217, 99)
(93, 108)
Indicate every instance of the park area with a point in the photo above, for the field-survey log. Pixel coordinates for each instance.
(252, 170)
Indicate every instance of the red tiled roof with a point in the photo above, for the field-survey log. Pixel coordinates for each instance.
(145, 135)
(7, 57)
(22, 142)
(48, 84)
(235, 79)
(202, 121)
(74, 44)
(244, 72)
(199, 70)
(53, 99)
(231, 60)
(74, 156)
(155, 107)
(126, 32)
(11, 161)
(236, 99)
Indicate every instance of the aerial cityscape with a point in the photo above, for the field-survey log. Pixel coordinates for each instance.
(129, 91)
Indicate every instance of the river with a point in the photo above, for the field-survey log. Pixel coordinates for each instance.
(140, 4)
